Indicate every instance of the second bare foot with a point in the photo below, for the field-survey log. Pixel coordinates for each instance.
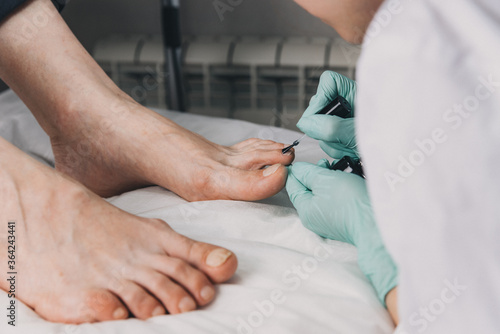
(81, 259)
(123, 146)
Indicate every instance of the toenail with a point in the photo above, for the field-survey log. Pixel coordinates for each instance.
(158, 311)
(119, 313)
(217, 257)
(207, 293)
(288, 153)
(271, 170)
(187, 304)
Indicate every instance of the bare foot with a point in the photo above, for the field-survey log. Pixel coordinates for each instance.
(117, 145)
(81, 259)
(111, 144)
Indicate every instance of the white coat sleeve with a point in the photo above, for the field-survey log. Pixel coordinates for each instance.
(429, 133)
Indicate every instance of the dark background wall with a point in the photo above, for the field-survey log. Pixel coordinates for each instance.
(93, 19)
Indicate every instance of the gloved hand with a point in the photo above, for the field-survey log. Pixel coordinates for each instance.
(336, 134)
(336, 206)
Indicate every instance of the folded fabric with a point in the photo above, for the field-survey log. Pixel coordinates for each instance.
(8, 6)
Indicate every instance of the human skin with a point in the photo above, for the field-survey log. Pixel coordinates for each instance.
(108, 142)
(83, 260)
(351, 18)
(80, 259)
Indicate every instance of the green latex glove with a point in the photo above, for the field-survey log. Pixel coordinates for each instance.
(336, 206)
(336, 134)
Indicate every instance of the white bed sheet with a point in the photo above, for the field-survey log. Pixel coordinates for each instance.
(267, 237)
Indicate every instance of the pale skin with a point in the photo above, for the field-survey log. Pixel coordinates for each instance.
(351, 18)
(84, 260)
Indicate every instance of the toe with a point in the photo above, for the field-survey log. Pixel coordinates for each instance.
(263, 156)
(217, 263)
(175, 298)
(272, 156)
(252, 185)
(138, 300)
(106, 306)
(193, 280)
(270, 145)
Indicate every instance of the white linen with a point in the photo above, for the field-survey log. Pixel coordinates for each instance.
(267, 237)
(427, 114)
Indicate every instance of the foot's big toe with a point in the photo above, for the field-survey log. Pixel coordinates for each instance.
(219, 264)
(249, 185)
(262, 155)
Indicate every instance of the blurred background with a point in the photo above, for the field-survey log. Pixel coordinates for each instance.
(255, 60)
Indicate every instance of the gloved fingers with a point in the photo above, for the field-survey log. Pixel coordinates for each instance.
(331, 84)
(329, 128)
(299, 194)
(337, 151)
(324, 163)
(326, 92)
(309, 175)
(317, 103)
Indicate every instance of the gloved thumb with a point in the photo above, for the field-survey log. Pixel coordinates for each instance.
(299, 194)
(317, 103)
(307, 174)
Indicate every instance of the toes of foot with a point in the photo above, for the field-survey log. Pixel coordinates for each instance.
(193, 280)
(174, 297)
(248, 185)
(103, 305)
(138, 300)
(259, 158)
(256, 153)
(259, 184)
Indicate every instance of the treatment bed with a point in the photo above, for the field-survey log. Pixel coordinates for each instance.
(289, 280)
